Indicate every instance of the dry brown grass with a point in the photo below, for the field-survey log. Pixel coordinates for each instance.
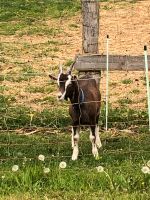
(128, 26)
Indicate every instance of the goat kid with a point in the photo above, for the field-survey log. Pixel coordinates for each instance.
(84, 96)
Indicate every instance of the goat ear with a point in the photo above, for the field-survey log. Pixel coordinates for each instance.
(52, 77)
(68, 71)
(60, 68)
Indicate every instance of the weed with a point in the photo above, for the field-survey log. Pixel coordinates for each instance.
(73, 26)
(3, 88)
(127, 81)
(53, 42)
(113, 84)
(124, 101)
(135, 91)
(68, 62)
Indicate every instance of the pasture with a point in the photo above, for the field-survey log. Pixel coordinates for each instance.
(35, 37)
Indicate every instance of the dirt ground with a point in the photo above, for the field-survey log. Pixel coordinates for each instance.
(127, 24)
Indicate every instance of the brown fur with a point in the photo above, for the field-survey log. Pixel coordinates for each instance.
(85, 113)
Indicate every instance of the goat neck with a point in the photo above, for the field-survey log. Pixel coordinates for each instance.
(76, 94)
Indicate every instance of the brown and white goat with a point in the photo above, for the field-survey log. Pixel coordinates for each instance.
(84, 109)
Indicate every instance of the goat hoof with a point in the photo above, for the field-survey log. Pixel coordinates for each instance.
(97, 157)
(98, 142)
(74, 157)
(95, 153)
(99, 145)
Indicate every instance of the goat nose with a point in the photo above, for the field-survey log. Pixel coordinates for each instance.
(59, 96)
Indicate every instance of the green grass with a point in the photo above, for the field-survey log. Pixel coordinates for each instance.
(43, 89)
(30, 11)
(13, 117)
(11, 28)
(24, 17)
(122, 158)
(40, 30)
(68, 62)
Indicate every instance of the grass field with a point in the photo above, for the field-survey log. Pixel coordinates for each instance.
(122, 158)
(35, 36)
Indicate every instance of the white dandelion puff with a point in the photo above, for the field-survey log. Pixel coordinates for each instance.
(46, 170)
(25, 159)
(3, 176)
(100, 169)
(41, 157)
(19, 153)
(15, 168)
(62, 165)
(148, 163)
(145, 170)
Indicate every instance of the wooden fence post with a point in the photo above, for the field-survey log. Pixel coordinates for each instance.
(90, 31)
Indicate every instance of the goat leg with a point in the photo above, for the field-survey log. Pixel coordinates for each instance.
(75, 140)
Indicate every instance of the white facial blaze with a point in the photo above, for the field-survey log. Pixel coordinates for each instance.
(68, 82)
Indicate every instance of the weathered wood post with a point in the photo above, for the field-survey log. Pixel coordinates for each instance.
(90, 31)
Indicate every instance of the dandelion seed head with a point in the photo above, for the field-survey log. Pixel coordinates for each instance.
(62, 165)
(3, 177)
(41, 157)
(15, 168)
(19, 153)
(46, 170)
(145, 169)
(100, 168)
(25, 159)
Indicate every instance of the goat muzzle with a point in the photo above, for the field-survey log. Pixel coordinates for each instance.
(60, 97)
